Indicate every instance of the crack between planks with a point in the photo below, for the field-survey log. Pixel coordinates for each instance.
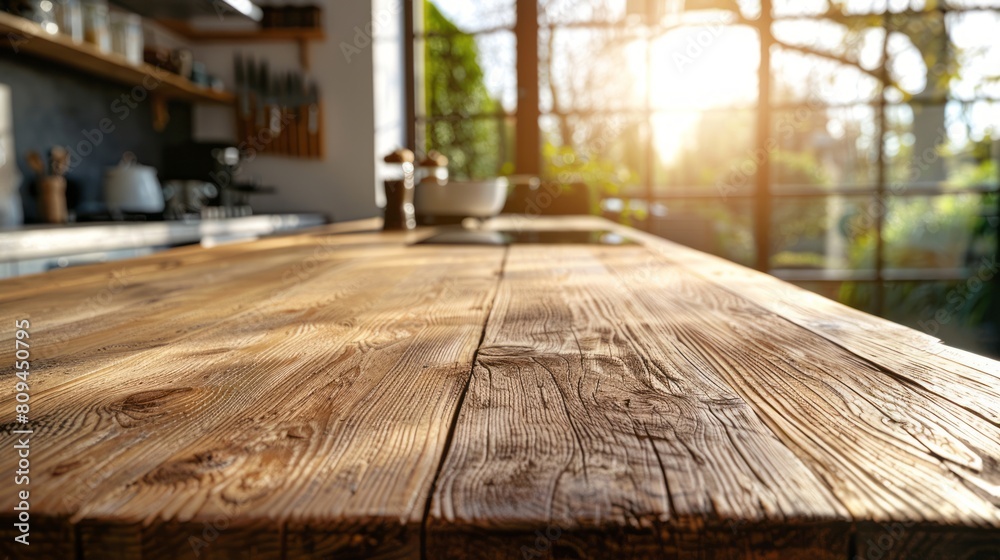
(453, 425)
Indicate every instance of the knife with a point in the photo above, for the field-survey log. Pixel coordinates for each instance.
(243, 93)
(314, 124)
(264, 108)
(275, 100)
(290, 116)
(302, 115)
(254, 98)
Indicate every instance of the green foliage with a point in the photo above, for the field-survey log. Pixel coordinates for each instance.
(603, 176)
(934, 232)
(455, 88)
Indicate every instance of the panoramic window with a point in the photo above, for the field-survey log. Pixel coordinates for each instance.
(849, 147)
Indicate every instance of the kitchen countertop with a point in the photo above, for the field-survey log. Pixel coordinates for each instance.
(32, 242)
(342, 393)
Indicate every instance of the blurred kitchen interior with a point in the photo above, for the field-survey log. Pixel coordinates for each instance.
(848, 147)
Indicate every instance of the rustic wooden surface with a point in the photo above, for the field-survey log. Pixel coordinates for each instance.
(340, 394)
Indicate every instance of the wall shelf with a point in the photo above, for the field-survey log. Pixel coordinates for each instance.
(27, 37)
(303, 36)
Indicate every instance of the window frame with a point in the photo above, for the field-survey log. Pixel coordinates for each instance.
(763, 197)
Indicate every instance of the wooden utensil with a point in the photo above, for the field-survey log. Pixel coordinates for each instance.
(315, 119)
(53, 199)
(302, 117)
(263, 105)
(36, 163)
(278, 115)
(51, 188)
(59, 157)
(243, 99)
(290, 116)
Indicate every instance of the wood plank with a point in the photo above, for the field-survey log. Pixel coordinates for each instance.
(128, 302)
(825, 316)
(961, 387)
(35, 285)
(328, 412)
(939, 372)
(901, 541)
(586, 419)
(954, 444)
(643, 401)
(82, 330)
(48, 538)
(899, 415)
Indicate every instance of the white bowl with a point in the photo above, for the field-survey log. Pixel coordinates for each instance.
(468, 199)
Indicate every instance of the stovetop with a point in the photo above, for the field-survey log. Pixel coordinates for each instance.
(512, 237)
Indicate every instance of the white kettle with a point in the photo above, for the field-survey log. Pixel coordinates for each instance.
(132, 187)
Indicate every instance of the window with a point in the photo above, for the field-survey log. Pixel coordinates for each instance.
(850, 147)
(466, 100)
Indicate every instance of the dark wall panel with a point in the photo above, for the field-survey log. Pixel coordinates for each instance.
(55, 105)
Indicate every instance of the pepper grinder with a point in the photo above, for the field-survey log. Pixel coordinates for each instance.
(399, 211)
(54, 186)
(433, 167)
(51, 186)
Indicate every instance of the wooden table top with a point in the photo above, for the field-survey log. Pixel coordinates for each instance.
(341, 394)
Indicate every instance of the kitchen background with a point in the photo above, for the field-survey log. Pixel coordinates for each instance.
(654, 128)
(53, 104)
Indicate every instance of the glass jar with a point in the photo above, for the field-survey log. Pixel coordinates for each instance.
(126, 36)
(69, 17)
(44, 13)
(96, 29)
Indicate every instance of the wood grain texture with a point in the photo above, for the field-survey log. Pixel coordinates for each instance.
(310, 396)
(587, 414)
(886, 449)
(903, 541)
(325, 407)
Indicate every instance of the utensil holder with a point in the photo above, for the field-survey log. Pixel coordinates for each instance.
(53, 199)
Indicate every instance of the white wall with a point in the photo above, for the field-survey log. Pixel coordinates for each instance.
(390, 85)
(343, 184)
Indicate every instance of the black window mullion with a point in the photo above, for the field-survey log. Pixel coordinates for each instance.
(648, 130)
(881, 203)
(762, 192)
(527, 132)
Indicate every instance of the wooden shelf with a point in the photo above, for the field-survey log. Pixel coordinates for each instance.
(308, 34)
(27, 37)
(301, 35)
